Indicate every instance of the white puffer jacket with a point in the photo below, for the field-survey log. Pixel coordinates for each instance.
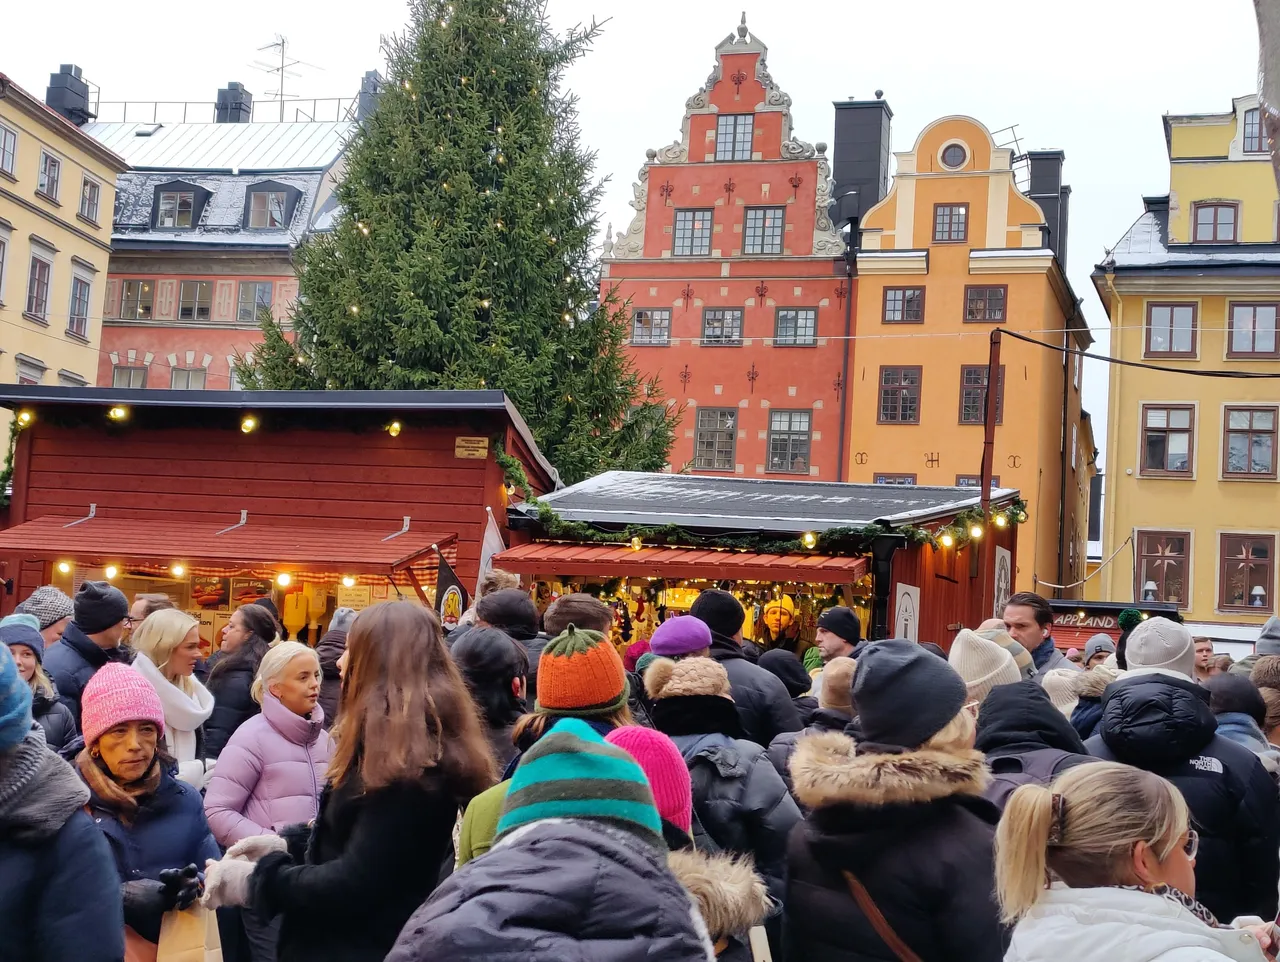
(1119, 925)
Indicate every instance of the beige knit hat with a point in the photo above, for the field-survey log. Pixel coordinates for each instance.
(688, 676)
(837, 684)
(982, 664)
(1060, 685)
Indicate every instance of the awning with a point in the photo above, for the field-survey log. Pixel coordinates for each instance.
(1073, 636)
(103, 540)
(614, 561)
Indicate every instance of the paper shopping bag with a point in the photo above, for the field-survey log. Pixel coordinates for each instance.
(136, 948)
(190, 936)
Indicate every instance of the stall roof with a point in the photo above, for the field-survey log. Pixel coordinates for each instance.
(545, 559)
(364, 550)
(731, 504)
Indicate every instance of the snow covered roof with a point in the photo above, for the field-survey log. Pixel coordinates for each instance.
(753, 504)
(1146, 245)
(225, 147)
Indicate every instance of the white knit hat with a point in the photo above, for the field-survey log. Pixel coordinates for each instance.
(982, 664)
(1060, 685)
(1161, 645)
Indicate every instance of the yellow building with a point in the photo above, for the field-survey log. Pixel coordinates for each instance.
(57, 193)
(955, 251)
(1194, 286)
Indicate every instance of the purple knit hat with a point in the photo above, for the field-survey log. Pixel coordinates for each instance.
(680, 636)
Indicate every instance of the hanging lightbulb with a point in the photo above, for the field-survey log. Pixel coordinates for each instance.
(110, 571)
(283, 579)
(348, 581)
(1002, 521)
(976, 532)
(636, 544)
(25, 418)
(248, 424)
(393, 429)
(118, 413)
(177, 570)
(64, 567)
(809, 539)
(946, 540)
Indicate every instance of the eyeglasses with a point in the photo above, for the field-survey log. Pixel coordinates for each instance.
(1192, 845)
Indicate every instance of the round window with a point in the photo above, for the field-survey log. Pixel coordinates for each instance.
(954, 155)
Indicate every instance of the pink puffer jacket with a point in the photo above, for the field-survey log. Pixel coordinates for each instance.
(269, 775)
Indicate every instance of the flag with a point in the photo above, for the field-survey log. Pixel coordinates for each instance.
(489, 547)
(451, 597)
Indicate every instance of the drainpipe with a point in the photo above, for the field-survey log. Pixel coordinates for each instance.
(883, 547)
(851, 270)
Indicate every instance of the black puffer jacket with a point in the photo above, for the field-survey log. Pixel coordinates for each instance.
(55, 719)
(914, 829)
(1088, 712)
(782, 747)
(329, 649)
(74, 660)
(762, 700)
(230, 679)
(564, 890)
(1163, 724)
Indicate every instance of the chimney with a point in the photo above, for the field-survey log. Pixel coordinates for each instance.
(68, 94)
(367, 102)
(235, 105)
(1048, 191)
(860, 161)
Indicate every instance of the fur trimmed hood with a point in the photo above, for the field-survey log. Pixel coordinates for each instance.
(731, 896)
(1093, 682)
(826, 770)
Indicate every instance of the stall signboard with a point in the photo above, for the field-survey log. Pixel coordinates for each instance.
(357, 597)
(906, 612)
(471, 449)
(245, 591)
(1004, 581)
(210, 592)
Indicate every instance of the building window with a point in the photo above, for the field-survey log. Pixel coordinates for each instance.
(8, 150)
(78, 320)
(1171, 330)
(194, 300)
(90, 193)
(651, 328)
(693, 233)
(1214, 223)
(1163, 565)
(714, 443)
(29, 369)
(187, 379)
(50, 174)
(4, 250)
(795, 327)
(176, 208)
(764, 230)
(895, 479)
(975, 481)
(255, 297)
(985, 303)
(954, 156)
(1167, 435)
(1247, 571)
(71, 379)
(950, 222)
(1253, 143)
(903, 305)
(1076, 363)
(136, 300)
(128, 376)
(38, 288)
(733, 136)
(1252, 330)
(789, 434)
(266, 209)
(1075, 447)
(973, 394)
(1249, 445)
(899, 395)
(722, 326)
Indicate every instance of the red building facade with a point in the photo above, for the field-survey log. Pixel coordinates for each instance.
(735, 279)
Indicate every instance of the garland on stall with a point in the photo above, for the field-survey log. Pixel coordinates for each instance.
(6, 473)
(851, 541)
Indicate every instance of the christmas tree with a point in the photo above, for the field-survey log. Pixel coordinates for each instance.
(463, 255)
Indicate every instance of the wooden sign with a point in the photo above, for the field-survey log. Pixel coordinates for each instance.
(357, 596)
(473, 449)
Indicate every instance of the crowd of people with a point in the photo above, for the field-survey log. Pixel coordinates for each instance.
(517, 790)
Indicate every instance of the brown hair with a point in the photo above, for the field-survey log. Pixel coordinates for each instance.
(121, 800)
(495, 580)
(153, 603)
(1043, 613)
(1272, 697)
(529, 728)
(580, 610)
(404, 707)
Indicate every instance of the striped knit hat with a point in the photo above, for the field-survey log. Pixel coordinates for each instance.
(580, 675)
(571, 772)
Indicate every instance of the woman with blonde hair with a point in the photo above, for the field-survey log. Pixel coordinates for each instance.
(21, 633)
(894, 859)
(167, 646)
(1101, 865)
(410, 752)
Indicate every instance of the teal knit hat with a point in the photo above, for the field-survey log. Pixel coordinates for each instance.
(571, 772)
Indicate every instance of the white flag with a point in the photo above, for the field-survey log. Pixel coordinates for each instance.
(491, 545)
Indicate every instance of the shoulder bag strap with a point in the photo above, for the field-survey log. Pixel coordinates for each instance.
(878, 921)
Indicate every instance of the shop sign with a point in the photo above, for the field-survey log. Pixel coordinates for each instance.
(472, 449)
(1073, 620)
(357, 597)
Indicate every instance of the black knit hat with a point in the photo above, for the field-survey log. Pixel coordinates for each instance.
(787, 667)
(719, 611)
(843, 622)
(98, 606)
(904, 695)
(510, 609)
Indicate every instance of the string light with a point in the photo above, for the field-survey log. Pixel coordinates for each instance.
(636, 544)
(25, 418)
(248, 424)
(946, 540)
(118, 413)
(283, 579)
(1002, 521)
(393, 429)
(355, 309)
(976, 532)
(485, 303)
(64, 567)
(568, 316)
(499, 129)
(110, 571)
(498, 224)
(177, 570)
(809, 539)
(348, 581)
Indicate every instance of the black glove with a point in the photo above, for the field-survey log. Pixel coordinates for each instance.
(182, 886)
(145, 902)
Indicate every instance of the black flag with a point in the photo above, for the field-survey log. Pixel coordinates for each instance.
(451, 597)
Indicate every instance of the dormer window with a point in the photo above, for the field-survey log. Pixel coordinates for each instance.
(267, 209)
(1214, 223)
(733, 136)
(1253, 143)
(176, 208)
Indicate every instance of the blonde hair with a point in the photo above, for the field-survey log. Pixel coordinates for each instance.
(158, 635)
(1105, 809)
(955, 736)
(41, 683)
(274, 663)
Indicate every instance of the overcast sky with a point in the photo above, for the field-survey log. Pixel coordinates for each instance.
(1091, 77)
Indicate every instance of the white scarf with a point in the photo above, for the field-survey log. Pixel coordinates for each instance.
(183, 713)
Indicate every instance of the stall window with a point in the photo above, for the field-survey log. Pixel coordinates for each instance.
(789, 439)
(716, 439)
(1247, 572)
(1163, 565)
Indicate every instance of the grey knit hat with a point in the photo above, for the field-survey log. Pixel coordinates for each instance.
(342, 618)
(48, 604)
(1269, 640)
(1098, 643)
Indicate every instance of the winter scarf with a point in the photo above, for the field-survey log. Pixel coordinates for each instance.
(38, 791)
(1179, 898)
(183, 715)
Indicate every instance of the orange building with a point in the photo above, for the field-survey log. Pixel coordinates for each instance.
(735, 279)
(953, 251)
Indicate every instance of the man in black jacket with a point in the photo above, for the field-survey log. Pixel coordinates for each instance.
(763, 704)
(91, 639)
(1158, 719)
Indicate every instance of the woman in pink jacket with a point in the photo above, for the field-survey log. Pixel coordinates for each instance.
(273, 768)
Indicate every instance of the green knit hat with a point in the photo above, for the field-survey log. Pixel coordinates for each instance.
(571, 772)
(813, 658)
(580, 675)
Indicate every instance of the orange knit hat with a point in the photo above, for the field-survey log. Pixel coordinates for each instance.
(580, 675)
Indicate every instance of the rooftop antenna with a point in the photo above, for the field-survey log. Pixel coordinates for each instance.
(282, 69)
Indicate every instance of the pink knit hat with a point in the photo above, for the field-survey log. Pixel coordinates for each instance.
(117, 693)
(664, 766)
